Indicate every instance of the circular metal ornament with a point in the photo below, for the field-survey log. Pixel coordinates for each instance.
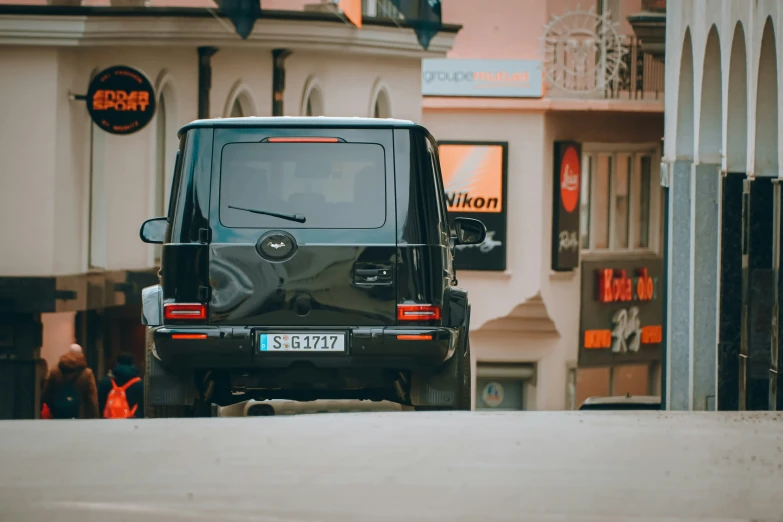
(276, 245)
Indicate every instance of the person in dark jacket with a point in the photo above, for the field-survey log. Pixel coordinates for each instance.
(72, 382)
(122, 373)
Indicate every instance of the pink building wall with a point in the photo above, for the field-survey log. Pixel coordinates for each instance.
(512, 29)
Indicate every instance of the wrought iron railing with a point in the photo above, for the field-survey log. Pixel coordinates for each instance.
(381, 9)
(641, 76)
(638, 76)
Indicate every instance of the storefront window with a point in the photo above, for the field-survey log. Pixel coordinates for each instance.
(584, 201)
(621, 202)
(617, 201)
(600, 210)
(502, 386)
(643, 220)
(633, 379)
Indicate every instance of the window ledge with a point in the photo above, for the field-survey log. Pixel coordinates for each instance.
(619, 254)
(562, 276)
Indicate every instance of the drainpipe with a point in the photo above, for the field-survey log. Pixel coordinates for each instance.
(204, 79)
(278, 79)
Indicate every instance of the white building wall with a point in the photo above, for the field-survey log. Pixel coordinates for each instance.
(28, 137)
(347, 81)
(45, 140)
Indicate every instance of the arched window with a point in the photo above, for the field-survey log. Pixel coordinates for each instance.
(240, 102)
(382, 109)
(314, 105)
(380, 102)
(312, 99)
(236, 110)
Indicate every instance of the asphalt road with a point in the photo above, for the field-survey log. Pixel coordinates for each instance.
(368, 467)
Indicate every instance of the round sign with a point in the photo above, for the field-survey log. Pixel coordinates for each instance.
(569, 179)
(121, 100)
(493, 394)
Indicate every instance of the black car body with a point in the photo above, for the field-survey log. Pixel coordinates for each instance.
(330, 231)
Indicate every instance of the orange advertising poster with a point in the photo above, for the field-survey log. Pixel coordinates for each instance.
(472, 177)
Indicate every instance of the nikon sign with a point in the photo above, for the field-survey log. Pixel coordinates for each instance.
(474, 179)
(482, 78)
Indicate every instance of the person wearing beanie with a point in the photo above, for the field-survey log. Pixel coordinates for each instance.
(123, 372)
(70, 391)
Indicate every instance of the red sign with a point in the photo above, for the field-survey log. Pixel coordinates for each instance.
(598, 339)
(615, 286)
(569, 179)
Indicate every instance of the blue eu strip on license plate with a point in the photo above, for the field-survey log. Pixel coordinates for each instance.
(297, 342)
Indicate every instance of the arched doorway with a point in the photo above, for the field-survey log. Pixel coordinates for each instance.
(737, 106)
(730, 314)
(766, 149)
(758, 386)
(678, 250)
(705, 270)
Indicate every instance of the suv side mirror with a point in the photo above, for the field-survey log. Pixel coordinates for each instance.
(469, 231)
(154, 230)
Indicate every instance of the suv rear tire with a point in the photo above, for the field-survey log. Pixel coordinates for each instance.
(168, 411)
(462, 386)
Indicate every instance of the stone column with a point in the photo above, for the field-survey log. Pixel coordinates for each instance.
(678, 335)
(705, 216)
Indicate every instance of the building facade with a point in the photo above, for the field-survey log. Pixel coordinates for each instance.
(74, 195)
(722, 164)
(559, 122)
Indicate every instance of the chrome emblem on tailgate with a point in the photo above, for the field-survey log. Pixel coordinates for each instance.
(276, 245)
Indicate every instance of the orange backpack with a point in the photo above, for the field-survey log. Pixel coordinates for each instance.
(117, 402)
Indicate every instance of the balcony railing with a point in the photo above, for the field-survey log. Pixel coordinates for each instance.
(381, 9)
(639, 75)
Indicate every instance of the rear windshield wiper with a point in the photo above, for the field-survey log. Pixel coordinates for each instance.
(289, 217)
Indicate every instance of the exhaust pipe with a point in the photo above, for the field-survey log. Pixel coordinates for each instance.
(258, 409)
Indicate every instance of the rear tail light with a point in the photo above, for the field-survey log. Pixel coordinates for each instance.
(189, 336)
(185, 311)
(403, 337)
(418, 312)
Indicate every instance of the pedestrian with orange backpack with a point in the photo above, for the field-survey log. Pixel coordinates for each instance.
(121, 395)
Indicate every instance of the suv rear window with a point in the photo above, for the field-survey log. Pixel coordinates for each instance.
(334, 185)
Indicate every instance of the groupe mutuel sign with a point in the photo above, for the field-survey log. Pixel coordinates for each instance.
(482, 78)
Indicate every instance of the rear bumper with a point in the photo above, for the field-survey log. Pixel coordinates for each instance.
(236, 348)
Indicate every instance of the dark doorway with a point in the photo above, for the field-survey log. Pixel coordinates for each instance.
(758, 293)
(730, 315)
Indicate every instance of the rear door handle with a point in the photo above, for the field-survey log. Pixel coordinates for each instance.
(374, 276)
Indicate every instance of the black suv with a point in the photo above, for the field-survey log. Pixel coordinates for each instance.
(306, 258)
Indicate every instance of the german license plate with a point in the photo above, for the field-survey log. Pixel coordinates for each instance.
(300, 342)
